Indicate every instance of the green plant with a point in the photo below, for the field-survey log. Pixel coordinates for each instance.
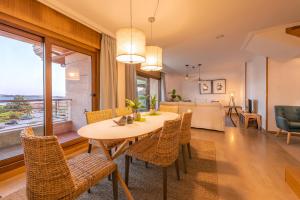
(174, 96)
(19, 104)
(153, 101)
(4, 117)
(134, 104)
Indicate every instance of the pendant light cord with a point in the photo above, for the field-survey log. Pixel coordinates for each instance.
(155, 11)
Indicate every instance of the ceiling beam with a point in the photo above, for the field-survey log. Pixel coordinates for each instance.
(295, 31)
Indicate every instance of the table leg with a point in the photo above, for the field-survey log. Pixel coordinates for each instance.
(258, 120)
(246, 121)
(124, 186)
(121, 149)
(115, 155)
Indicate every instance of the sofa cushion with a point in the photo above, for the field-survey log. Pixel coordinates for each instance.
(294, 125)
(291, 113)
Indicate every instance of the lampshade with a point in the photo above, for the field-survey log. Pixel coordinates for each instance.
(130, 45)
(153, 59)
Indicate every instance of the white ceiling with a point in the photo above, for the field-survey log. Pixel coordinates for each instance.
(187, 29)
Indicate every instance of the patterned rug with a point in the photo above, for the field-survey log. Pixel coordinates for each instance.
(201, 181)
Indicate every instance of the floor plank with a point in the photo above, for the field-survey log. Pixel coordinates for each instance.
(250, 164)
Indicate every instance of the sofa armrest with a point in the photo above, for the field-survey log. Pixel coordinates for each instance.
(282, 123)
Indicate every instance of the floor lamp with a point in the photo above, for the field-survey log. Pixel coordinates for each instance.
(231, 107)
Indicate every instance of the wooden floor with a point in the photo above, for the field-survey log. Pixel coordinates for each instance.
(250, 166)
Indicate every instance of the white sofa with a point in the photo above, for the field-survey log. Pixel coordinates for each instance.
(205, 115)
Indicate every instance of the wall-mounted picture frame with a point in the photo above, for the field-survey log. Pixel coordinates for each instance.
(219, 86)
(205, 87)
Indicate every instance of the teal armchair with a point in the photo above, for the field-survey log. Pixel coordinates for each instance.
(288, 119)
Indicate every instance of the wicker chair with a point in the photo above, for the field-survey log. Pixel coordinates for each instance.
(185, 136)
(162, 152)
(97, 116)
(123, 111)
(168, 108)
(49, 176)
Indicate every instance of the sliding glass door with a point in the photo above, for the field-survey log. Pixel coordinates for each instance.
(21, 88)
(45, 84)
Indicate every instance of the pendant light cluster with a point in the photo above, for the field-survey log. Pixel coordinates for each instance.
(132, 49)
(192, 67)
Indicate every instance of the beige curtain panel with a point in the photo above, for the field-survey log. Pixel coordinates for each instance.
(108, 73)
(130, 81)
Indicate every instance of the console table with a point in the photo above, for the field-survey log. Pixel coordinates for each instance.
(251, 116)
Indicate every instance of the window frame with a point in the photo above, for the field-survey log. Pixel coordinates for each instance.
(18, 160)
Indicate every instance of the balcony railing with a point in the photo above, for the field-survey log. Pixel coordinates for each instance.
(17, 114)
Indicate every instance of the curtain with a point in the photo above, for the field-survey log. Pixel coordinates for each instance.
(163, 95)
(108, 73)
(130, 81)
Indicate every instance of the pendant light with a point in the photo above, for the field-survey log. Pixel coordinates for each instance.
(130, 44)
(187, 73)
(153, 53)
(199, 80)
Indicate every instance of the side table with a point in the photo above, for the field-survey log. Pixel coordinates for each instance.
(251, 116)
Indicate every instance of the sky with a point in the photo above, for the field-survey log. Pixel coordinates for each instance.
(21, 70)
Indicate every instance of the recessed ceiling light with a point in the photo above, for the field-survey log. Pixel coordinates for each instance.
(220, 36)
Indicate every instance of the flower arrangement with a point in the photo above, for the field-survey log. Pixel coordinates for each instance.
(135, 105)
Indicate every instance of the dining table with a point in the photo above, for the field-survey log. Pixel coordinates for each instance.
(109, 130)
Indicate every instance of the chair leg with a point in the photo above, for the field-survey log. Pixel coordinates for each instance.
(189, 150)
(288, 137)
(165, 184)
(146, 164)
(90, 148)
(278, 132)
(130, 143)
(183, 158)
(177, 169)
(115, 184)
(109, 176)
(127, 164)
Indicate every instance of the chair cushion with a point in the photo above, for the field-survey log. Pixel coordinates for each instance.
(294, 126)
(88, 169)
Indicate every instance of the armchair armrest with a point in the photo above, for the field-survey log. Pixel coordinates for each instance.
(282, 123)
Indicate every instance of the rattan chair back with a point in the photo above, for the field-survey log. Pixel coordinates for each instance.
(123, 111)
(168, 108)
(47, 173)
(97, 116)
(168, 144)
(185, 128)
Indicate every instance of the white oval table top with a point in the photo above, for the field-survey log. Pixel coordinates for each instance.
(108, 130)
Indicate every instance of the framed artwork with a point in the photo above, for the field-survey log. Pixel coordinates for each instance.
(219, 86)
(205, 87)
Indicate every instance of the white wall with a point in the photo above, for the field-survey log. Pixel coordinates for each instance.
(79, 90)
(284, 86)
(174, 81)
(233, 73)
(256, 84)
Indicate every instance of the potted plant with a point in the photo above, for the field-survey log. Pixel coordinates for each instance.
(134, 105)
(174, 96)
(153, 101)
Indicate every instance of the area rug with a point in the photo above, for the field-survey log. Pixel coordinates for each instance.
(201, 181)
